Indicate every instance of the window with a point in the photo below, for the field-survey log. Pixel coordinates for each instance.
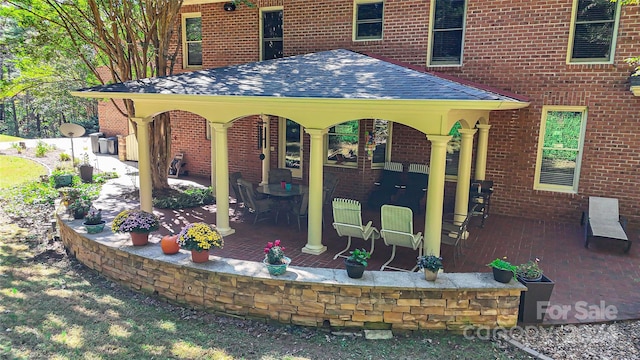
(594, 25)
(272, 46)
(560, 148)
(191, 40)
(447, 32)
(368, 20)
(290, 146)
(382, 141)
(342, 144)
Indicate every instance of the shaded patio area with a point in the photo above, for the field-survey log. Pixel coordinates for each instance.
(589, 282)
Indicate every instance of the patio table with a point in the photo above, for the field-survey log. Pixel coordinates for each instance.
(276, 190)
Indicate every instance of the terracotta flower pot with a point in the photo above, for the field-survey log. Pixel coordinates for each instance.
(199, 256)
(430, 275)
(139, 239)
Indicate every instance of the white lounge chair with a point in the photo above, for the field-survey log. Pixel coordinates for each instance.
(604, 221)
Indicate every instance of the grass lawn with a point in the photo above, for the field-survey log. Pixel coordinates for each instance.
(8, 138)
(16, 170)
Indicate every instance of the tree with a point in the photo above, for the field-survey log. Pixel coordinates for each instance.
(634, 60)
(132, 39)
(36, 75)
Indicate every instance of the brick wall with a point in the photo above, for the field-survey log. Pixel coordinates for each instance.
(454, 303)
(509, 45)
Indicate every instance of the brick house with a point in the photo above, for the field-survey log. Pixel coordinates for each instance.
(564, 59)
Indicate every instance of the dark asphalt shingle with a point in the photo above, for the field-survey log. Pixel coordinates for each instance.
(335, 74)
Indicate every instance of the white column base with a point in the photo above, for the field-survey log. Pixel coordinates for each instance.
(314, 251)
(226, 231)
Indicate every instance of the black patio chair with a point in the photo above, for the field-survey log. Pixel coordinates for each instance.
(415, 188)
(388, 185)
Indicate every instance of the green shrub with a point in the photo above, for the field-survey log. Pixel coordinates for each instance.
(179, 198)
(102, 177)
(17, 147)
(65, 157)
(41, 149)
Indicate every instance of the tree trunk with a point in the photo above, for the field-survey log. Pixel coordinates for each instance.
(160, 150)
(2, 111)
(16, 127)
(38, 125)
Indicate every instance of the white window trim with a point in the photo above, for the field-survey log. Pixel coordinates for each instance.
(572, 33)
(387, 155)
(334, 163)
(355, 19)
(576, 177)
(261, 21)
(185, 47)
(432, 14)
(282, 148)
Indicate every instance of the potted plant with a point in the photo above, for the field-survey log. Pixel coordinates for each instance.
(79, 207)
(431, 264)
(138, 223)
(529, 271)
(274, 258)
(86, 170)
(534, 301)
(200, 238)
(61, 176)
(68, 194)
(356, 263)
(503, 271)
(93, 222)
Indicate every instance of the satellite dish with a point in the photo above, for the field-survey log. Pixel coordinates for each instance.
(72, 130)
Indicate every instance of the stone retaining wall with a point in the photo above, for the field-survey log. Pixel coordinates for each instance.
(303, 296)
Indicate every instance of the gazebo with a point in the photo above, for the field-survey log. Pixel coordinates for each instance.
(319, 90)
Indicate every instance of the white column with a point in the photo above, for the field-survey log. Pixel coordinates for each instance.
(314, 238)
(481, 157)
(144, 163)
(464, 175)
(266, 150)
(213, 155)
(222, 178)
(435, 194)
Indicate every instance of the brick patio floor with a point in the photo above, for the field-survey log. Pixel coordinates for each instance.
(587, 281)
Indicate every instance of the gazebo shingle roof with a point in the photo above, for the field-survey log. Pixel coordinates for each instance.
(334, 74)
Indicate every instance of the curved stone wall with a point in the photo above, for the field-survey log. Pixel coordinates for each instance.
(303, 296)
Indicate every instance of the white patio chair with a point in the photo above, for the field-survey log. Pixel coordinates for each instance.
(397, 230)
(347, 220)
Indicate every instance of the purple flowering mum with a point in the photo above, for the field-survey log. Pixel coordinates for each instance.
(135, 221)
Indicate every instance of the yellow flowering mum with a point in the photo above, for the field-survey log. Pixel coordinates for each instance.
(200, 236)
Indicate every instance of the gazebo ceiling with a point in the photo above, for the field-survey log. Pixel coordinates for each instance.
(317, 90)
